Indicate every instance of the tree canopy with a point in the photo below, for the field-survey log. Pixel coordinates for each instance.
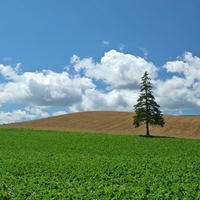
(147, 110)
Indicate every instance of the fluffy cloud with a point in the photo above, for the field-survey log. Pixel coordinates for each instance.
(188, 67)
(118, 70)
(182, 91)
(118, 100)
(28, 113)
(111, 84)
(44, 88)
(173, 94)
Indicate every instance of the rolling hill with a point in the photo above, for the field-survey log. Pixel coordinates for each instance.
(115, 122)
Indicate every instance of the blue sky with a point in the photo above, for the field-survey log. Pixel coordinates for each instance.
(61, 56)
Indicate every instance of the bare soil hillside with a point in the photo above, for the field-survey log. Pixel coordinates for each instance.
(115, 122)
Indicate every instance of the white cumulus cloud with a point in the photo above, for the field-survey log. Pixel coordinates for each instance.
(113, 83)
(46, 88)
(183, 89)
(119, 100)
(28, 113)
(117, 69)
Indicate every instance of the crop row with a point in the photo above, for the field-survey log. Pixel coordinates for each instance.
(65, 165)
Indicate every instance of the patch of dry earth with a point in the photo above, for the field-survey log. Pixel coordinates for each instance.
(115, 122)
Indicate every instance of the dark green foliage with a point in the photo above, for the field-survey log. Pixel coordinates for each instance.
(147, 110)
(60, 165)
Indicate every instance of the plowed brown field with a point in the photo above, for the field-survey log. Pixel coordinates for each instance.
(115, 122)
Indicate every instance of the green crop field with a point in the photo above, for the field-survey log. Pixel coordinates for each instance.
(37, 164)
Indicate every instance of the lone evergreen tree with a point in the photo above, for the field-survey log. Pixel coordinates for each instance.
(147, 110)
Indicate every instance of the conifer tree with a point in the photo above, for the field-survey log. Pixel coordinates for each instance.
(147, 110)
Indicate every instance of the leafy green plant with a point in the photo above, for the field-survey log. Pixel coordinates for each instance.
(67, 165)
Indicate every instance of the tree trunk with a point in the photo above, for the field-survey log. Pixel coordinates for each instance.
(147, 129)
(147, 113)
